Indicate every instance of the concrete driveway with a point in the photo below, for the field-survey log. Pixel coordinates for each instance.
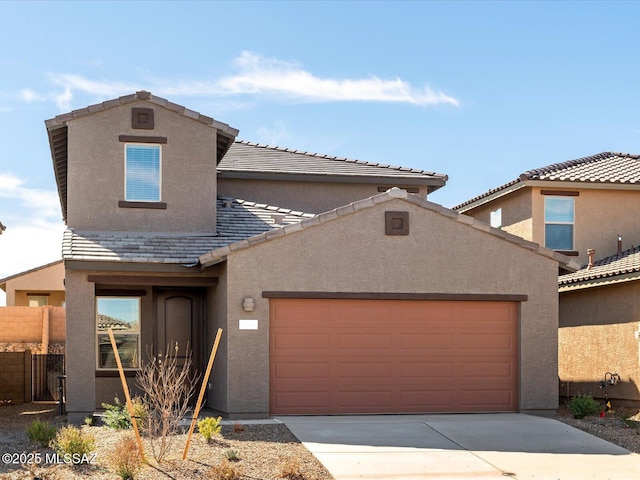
(486, 446)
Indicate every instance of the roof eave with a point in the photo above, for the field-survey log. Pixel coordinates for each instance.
(392, 180)
(599, 282)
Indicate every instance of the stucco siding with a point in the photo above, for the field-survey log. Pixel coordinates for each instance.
(96, 173)
(353, 254)
(598, 335)
(309, 197)
(217, 318)
(600, 215)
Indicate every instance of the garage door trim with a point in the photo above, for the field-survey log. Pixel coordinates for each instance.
(456, 297)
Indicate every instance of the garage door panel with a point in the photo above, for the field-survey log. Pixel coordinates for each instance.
(302, 341)
(317, 371)
(363, 340)
(409, 340)
(380, 356)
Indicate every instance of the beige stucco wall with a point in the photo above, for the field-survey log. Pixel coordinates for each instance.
(47, 280)
(596, 336)
(96, 173)
(352, 254)
(516, 212)
(308, 197)
(216, 396)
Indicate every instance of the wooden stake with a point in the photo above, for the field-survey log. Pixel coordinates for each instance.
(126, 394)
(202, 390)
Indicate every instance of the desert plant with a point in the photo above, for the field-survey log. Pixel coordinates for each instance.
(582, 406)
(125, 459)
(291, 469)
(224, 471)
(41, 433)
(73, 444)
(88, 421)
(208, 427)
(232, 455)
(116, 415)
(168, 387)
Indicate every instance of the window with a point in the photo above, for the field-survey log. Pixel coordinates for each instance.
(142, 177)
(122, 315)
(38, 300)
(558, 223)
(495, 218)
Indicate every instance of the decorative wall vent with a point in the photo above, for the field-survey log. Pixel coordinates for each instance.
(142, 118)
(396, 223)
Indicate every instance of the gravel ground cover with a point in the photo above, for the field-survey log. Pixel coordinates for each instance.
(265, 452)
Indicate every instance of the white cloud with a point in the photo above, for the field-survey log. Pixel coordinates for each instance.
(30, 96)
(269, 77)
(34, 232)
(276, 135)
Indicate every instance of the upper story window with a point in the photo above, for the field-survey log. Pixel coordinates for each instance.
(558, 222)
(142, 173)
(122, 315)
(495, 218)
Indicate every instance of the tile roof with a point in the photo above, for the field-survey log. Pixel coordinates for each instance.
(237, 220)
(605, 167)
(221, 253)
(628, 262)
(246, 157)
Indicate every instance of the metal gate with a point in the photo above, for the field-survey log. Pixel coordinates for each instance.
(45, 370)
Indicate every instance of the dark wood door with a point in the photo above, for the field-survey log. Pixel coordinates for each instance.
(180, 324)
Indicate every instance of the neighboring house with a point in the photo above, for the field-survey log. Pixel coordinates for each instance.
(37, 287)
(600, 328)
(573, 207)
(387, 304)
(569, 207)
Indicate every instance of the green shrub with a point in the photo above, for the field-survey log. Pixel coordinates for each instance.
(583, 406)
(232, 455)
(208, 427)
(117, 416)
(125, 458)
(71, 443)
(41, 433)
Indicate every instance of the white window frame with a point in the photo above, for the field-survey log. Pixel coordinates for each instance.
(103, 336)
(126, 193)
(572, 222)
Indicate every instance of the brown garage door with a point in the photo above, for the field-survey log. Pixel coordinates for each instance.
(392, 356)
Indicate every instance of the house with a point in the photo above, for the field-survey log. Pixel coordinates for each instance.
(387, 304)
(37, 287)
(600, 329)
(584, 208)
(569, 207)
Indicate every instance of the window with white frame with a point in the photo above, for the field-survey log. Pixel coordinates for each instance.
(122, 315)
(495, 218)
(559, 220)
(142, 173)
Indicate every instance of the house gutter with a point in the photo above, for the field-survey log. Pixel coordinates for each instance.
(599, 282)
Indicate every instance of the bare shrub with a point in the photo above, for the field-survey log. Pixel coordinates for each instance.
(224, 471)
(291, 469)
(168, 388)
(125, 459)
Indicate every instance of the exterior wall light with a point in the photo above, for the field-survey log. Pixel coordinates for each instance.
(248, 304)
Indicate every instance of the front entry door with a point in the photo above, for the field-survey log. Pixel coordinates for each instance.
(180, 324)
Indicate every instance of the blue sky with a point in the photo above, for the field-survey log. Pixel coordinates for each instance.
(481, 91)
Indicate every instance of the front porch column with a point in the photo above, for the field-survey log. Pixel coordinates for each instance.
(80, 356)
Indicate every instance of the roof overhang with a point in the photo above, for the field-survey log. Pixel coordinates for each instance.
(432, 183)
(600, 282)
